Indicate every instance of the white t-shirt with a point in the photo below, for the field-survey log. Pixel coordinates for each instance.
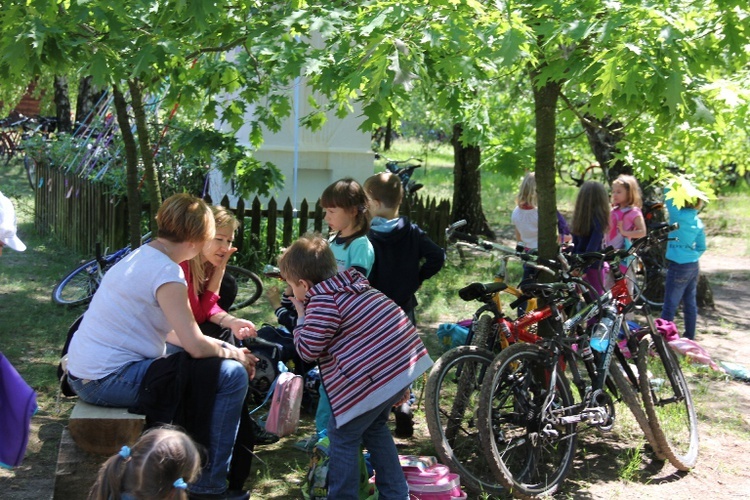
(124, 322)
(527, 225)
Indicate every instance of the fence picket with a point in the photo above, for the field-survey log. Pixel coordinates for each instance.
(89, 215)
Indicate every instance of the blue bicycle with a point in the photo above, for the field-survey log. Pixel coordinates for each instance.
(79, 286)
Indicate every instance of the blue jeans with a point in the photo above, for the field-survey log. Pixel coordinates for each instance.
(681, 286)
(120, 389)
(370, 429)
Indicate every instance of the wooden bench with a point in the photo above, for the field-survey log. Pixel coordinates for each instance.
(93, 434)
(102, 430)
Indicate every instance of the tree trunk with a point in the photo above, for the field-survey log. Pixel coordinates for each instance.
(388, 133)
(545, 110)
(88, 97)
(131, 162)
(603, 136)
(152, 183)
(62, 104)
(467, 186)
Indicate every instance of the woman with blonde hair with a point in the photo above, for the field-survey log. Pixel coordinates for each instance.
(211, 290)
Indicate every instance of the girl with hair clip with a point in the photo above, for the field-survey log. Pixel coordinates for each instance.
(345, 203)
(626, 222)
(158, 466)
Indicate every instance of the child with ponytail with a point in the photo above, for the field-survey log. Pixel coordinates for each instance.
(158, 466)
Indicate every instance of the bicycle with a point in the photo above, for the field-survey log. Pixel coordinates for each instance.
(527, 415)
(78, 287)
(404, 169)
(43, 128)
(453, 385)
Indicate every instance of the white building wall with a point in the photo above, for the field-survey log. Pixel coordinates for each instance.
(337, 150)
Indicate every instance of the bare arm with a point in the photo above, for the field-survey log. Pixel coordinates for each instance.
(172, 299)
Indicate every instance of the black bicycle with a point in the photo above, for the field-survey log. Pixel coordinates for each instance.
(79, 286)
(404, 169)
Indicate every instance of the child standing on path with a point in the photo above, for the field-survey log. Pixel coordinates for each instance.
(368, 352)
(404, 257)
(158, 466)
(684, 249)
(590, 224)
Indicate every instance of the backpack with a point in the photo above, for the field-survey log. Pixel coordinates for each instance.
(62, 366)
(283, 416)
(315, 485)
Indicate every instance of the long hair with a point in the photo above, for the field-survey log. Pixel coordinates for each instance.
(527, 191)
(201, 271)
(149, 469)
(633, 189)
(348, 194)
(592, 204)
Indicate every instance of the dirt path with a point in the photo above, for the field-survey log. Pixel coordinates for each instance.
(723, 470)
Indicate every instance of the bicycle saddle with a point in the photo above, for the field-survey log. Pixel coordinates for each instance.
(477, 290)
(542, 289)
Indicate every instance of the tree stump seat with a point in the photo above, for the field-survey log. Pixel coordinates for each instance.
(103, 430)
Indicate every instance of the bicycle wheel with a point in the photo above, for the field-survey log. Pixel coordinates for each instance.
(630, 395)
(249, 287)
(451, 398)
(668, 402)
(30, 165)
(529, 451)
(481, 334)
(79, 286)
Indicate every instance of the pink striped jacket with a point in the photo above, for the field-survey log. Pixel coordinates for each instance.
(365, 345)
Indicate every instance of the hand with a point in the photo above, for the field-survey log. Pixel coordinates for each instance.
(248, 361)
(619, 227)
(299, 307)
(273, 295)
(242, 328)
(404, 398)
(225, 259)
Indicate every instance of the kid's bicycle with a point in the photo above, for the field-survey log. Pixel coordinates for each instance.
(79, 286)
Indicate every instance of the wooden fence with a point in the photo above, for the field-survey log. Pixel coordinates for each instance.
(80, 214)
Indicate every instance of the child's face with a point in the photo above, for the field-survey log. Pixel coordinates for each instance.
(299, 288)
(340, 219)
(619, 195)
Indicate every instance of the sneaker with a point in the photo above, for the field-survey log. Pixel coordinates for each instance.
(307, 444)
(260, 435)
(404, 421)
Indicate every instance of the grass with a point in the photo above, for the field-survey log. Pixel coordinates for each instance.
(33, 329)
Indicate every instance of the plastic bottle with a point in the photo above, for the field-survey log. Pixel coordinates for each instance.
(602, 331)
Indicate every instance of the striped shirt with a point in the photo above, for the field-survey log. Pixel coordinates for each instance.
(365, 345)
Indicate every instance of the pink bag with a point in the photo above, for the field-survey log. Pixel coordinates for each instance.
(429, 480)
(283, 417)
